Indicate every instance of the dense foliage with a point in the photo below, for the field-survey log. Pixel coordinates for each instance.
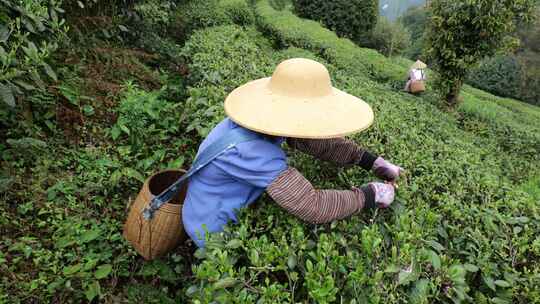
(352, 19)
(521, 68)
(30, 32)
(414, 19)
(500, 75)
(465, 226)
(389, 38)
(460, 34)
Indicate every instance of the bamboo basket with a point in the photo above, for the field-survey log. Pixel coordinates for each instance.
(418, 86)
(164, 232)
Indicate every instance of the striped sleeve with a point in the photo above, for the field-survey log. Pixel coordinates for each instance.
(292, 191)
(341, 151)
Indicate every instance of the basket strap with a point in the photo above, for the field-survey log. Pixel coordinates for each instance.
(218, 147)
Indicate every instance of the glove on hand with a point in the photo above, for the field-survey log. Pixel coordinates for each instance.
(386, 170)
(384, 194)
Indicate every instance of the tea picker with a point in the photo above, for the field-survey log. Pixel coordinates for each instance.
(242, 157)
(416, 81)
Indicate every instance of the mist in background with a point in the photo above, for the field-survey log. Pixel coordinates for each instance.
(392, 9)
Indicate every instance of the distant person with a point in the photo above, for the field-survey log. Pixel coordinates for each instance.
(417, 78)
(299, 106)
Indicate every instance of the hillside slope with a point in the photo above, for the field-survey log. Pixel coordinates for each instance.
(461, 231)
(465, 227)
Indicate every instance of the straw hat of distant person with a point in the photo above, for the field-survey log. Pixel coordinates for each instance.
(298, 101)
(419, 65)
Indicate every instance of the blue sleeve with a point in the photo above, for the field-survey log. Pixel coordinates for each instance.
(257, 163)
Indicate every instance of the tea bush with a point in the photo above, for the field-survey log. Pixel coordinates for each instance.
(500, 75)
(30, 32)
(389, 38)
(214, 75)
(447, 239)
(462, 228)
(194, 14)
(351, 19)
(289, 30)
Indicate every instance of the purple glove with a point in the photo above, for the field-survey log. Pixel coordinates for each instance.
(386, 170)
(384, 194)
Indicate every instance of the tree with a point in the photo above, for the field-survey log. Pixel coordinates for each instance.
(354, 19)
(461, 33)
(414, 20)
(389, 38)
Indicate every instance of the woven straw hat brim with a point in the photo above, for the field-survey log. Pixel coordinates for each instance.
(255, 107)
(419, 65)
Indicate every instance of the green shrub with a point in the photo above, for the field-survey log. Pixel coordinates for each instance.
(143, 117)
(447, 238)
(455, 44)
(238, 11)
(30, 33)
(195, 14)
(499, 75)
(351, 19)
(214, 73)
(462, 230)
(530, 82)
(389, 38)
(289, 30)
(414, 20)
(280, 4)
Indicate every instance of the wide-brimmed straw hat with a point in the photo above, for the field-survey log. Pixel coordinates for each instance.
(419, 65)
(298, 101)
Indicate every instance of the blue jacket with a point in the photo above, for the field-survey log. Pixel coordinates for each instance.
(232, 181)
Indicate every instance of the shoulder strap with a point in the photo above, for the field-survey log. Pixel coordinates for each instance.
(215, 149)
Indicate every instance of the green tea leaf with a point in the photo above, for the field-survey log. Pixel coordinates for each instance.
(93, 290)
(50, 72)
(25, 85)
(191, 290)
(497, 300)
(225, 283)
(392, 268)
(132, 173)
(436, 245)
(502, 283)
(434, 259)
(89, 235)
(103, 271)
(70, 270)
(405, 276)
(124, 128)
(88, 110)
(7, 95)
(470, 267)
(233, 244)
(4, 33)
(489, 282)
(291, 262)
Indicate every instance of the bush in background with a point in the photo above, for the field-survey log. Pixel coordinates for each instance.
(197, 14)
(287, 29)
(414, 20)
(455, 44)
(500, 75)
(389, 38)
(353, 19)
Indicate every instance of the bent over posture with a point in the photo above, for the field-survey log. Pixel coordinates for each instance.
(299, 106)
